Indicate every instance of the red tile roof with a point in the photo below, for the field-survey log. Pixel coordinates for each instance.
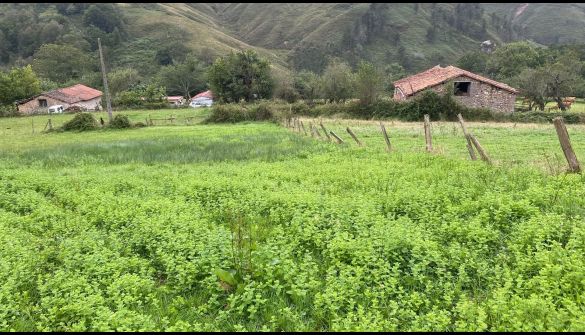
(75, 93)
(438, 75)
(206, 94)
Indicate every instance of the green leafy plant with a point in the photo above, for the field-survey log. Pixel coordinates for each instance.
(120, 122)
(81, 122)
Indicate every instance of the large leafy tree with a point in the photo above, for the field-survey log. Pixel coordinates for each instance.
(563, 78)
(532, 84)
(284, 86)
(510, 59)
(306, 83)
(369, 83)
(185, 78)
(104, 16)
(241, 76)
(122, 79)
(474, 61)
(337, 81)
(552, 82)
(19, 83)
(60, 63)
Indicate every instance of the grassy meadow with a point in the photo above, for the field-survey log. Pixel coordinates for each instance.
(252, 226)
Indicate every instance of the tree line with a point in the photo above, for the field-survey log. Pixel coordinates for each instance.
(541, 74)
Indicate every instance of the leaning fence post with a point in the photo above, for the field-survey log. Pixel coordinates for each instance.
(325, 131)
(304, 130)
(388, 147)
(316, 131)
(48, 125)
(480, 149)
(428, 138)
(563, 136)
(469, 145)
(354, 137)
(339, 140)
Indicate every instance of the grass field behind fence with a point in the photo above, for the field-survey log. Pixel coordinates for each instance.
(252, 226)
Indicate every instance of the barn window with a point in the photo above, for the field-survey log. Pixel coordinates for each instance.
(461, 88)
(42, 103)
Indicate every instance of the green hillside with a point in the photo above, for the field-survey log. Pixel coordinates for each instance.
(552, 23)
(300, 36)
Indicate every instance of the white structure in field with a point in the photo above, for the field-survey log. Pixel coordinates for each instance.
(202, 99)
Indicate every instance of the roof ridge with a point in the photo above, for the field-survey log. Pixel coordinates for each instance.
(438, 75)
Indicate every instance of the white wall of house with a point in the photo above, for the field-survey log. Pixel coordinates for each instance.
(93, 104)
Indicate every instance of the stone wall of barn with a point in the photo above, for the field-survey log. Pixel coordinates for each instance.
(481, 95)
(33, 106)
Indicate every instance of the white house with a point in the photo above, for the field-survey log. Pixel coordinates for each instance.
(202, 99)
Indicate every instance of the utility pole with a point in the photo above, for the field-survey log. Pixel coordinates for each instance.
(107, 91)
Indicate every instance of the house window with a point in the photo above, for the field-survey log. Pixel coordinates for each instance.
(42, 102)
(462, 88)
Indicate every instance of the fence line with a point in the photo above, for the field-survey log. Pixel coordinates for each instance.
(472, 143)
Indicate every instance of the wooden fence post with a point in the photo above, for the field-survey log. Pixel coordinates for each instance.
(354, 137)
(304, 130)
(482, 153)
(469, 145)
(325, 131)
(388, 147)
(339, 140)
(48, 125)
(563, 135)
(317, 132)
(32, 121)
(428, 137)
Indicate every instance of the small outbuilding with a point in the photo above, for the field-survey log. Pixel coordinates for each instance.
(470, 89)
(202, 99)
(79, 95)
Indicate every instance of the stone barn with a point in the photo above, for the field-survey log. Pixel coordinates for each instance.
(469, 89)
(78, 95)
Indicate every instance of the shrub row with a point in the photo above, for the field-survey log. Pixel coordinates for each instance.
(86, 121)
(231, 113)
(439, 107)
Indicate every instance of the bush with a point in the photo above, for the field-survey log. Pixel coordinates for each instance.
(81, 122)
(231, 113)
(9, 110)
(139, 124)
(261, 112)
(120, 122)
